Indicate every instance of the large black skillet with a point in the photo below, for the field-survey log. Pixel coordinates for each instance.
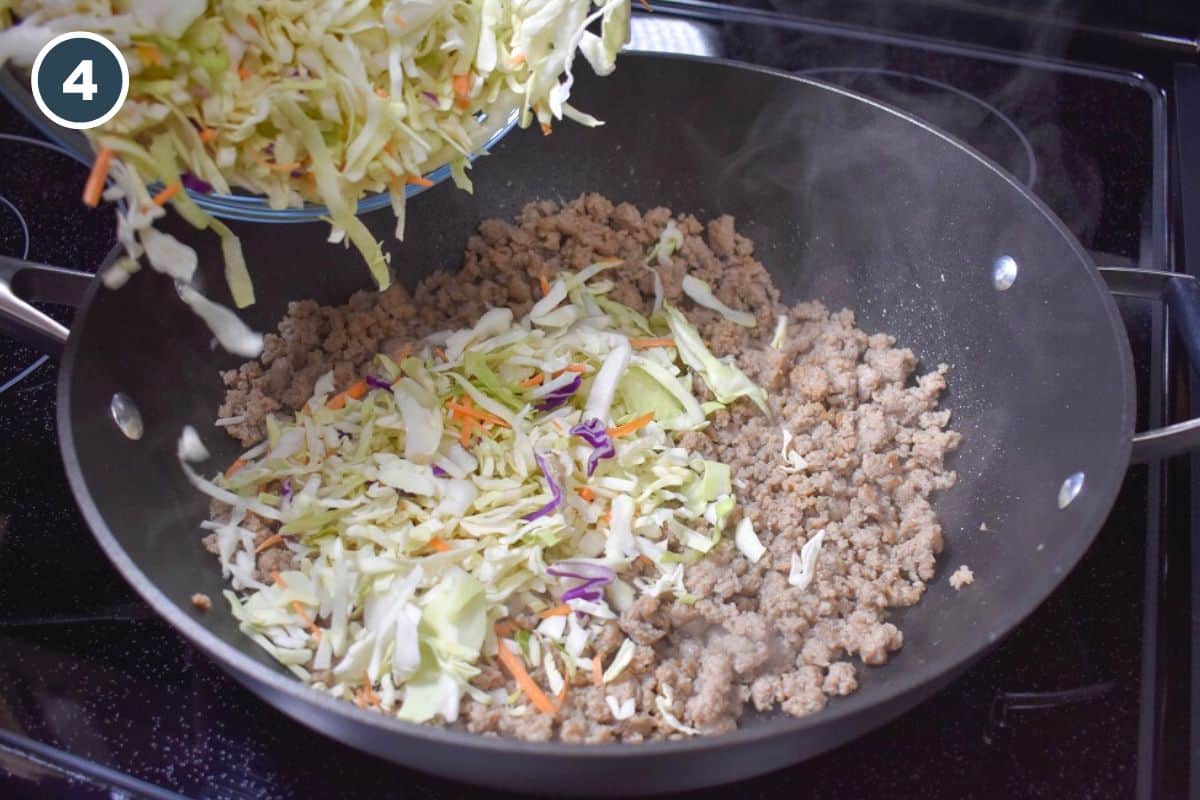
(850, 202)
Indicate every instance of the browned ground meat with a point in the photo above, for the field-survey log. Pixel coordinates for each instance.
(864, 422)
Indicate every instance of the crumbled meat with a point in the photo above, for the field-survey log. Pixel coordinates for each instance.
(862, 416)
(963, 576)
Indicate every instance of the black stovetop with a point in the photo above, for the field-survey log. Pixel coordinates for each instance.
(98, 697)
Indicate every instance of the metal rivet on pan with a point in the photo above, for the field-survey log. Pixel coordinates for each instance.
(1004, 273)
(125, 413)
(1070, 489)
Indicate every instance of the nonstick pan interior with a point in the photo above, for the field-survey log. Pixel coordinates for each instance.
(849, 203)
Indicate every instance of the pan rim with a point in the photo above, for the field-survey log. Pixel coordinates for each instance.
(254, 674)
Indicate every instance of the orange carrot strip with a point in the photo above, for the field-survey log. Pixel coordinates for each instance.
(632, 425)
(357, 391)
(557, 611)
(535, 380)
(546, 129)
(440, 353)
(95, 182)
(381, 93)
(505, 627)
(169, 191)
(207, 135)
(562, 695)
(482, 416)
(469, 427)
(531, 689)
(243, 73)
(418, 180)
(312, 626)
(597, 670)
(586, 493)
(149, 54)
(440, 545)
(277, 579)
(369, 690)
(462, 103)
(646, 5)
(359, 700)
(573, 368)
(234, 467)
(516, 59)
(642, 344)
(545, 284)
(462, 85)
(269, 542)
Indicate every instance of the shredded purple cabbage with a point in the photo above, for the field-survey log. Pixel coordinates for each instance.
(553, 505)
(377, 383)
(430, 96)
(588, 590)
(194, 184)
(594, 578)
(560, 395)
(594, 433)
(285, 491)
(439, 472)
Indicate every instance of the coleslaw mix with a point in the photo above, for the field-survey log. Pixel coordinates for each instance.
(319, 102)
(518, 468)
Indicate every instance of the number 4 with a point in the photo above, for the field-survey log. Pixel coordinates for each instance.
(80, 81)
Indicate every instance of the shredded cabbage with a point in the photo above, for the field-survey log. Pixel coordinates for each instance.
(722, 376)
(320, 102)
(446, 498)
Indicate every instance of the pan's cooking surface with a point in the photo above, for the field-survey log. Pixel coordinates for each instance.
(213, 697)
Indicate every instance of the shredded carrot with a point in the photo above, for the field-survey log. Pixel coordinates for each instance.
(243, 73)
(531, 689)
(642, 344)
(440, 545)
(95, 182)
(462, 85)
(359, 700)
(381, 93)
(546, 129)
(467, 410)
(169, 191)
(586, 493)
(399, 20)
(462, 103)
(608, 518)
(207, 135)
(418, 180)
(369, 690)
(562, 695)
(440, 353)
(632, 425)
(357, 391)
(234, 467)
(646, 5)
(642, 561)
(149, 54)
(269, 542)
(545, 284)
(505, 627)
(469, 426)
(573, 368)
(516, 59)
(597, 670)
(312, 626)
(557, 611)
(277, 579)
(535, 380)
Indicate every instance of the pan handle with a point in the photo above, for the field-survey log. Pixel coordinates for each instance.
(24, 281)
(1181, 293)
